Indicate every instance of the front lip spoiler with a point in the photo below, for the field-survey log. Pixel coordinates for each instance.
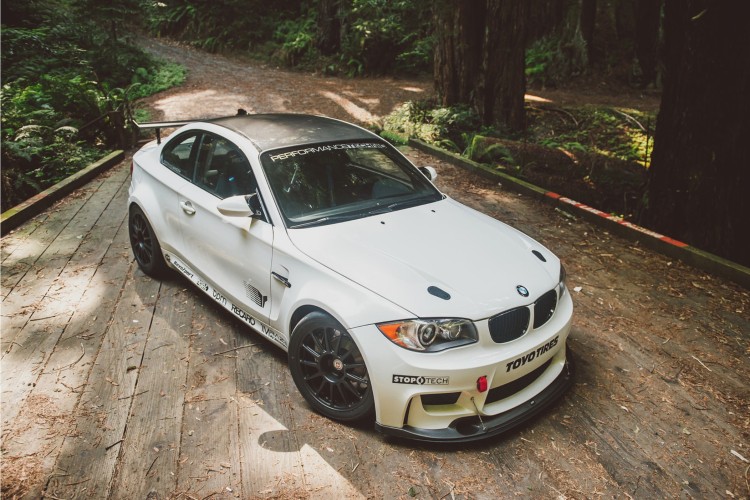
(468, 429)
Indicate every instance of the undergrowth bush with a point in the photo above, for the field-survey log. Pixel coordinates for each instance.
(67, 95)
(441, 126)
(622, 134)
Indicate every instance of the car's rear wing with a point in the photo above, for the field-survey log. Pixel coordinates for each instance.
(160, 125)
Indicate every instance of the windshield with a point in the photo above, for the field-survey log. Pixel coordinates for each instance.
(327, 183)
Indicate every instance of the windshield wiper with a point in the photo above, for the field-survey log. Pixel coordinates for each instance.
(412, 202)
(327, 219)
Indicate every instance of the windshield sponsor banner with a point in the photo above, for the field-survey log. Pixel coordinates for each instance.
(227, 304)
(329, 147)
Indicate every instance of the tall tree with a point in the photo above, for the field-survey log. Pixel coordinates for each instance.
(328, 38)
(479, 56)
(459, 29)
(648, 14)
(700, 167)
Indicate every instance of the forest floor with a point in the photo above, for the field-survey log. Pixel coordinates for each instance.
(115, 385)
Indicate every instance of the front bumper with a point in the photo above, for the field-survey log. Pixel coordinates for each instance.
(436, 396)
(467, 429)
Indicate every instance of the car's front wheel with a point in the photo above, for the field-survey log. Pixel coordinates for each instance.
(145, 245)
(329, 370)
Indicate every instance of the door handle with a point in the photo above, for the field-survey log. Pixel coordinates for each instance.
(281, 279)
(187, 207)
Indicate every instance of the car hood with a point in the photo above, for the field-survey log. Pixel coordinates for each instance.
(476, 259)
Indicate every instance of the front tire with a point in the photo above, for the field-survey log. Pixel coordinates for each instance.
(145, 245)
(329, 370)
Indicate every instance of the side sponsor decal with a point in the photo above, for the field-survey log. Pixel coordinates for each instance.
(420, 380)
(219, 297)
(519, 362)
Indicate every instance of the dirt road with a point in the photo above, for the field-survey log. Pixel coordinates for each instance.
(120, 386)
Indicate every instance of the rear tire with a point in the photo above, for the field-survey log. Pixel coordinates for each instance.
(145, 245)
(329, 370)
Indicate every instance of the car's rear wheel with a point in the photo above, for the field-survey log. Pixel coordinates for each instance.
(145, 245)
(329, 370)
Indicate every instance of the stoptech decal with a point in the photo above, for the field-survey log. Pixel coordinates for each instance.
(420, 380)
(227, 304)
(517, 363)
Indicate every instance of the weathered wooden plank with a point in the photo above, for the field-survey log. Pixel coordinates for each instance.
(148, 461)
(16, 267)
(209, 453)
(25, 246)
(36, 341)
(56, 394)
(27, 294)
(89, 456)
(330, 451)
(271, 462)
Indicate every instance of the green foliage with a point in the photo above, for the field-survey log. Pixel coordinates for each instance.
(156, 78)
(539, 57)
(232, 24)
(383, 36)
(422, 120)
(623, 134)
(482, 150)
(297, 38)
(376, 36)
(67, 91)
(394, 138)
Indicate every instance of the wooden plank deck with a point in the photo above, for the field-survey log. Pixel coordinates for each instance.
(115, 385)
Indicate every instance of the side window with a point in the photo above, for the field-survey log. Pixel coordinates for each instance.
(179, 154)
(223, 169)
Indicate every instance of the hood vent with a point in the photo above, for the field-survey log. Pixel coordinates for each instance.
(439, 293)
(539, 255)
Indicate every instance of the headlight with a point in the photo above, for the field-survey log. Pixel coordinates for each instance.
(563, 276)
(430, 335)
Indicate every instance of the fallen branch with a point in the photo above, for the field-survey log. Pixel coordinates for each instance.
(631, 119)
(701, 362)
(114, 444)
(152, 464)
(83, 353)
(235, 349)
(45, 317)
(132, 396)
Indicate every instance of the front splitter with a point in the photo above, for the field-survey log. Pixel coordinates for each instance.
(468, 429)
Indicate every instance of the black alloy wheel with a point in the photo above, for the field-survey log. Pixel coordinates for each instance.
(329, 370)
(145, 245)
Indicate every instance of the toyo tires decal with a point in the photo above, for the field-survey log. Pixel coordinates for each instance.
(259, 326)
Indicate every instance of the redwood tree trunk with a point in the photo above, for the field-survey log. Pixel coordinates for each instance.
(329, 27)
(459, 26)
(504, 82)
(588, 18)
(480, 54)
(648, 16)
(700, 169)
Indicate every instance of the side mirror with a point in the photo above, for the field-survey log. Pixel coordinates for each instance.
(244, 205)
(429, 172)
(253, 201)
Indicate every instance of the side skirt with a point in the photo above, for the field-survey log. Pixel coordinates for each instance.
(220, 297)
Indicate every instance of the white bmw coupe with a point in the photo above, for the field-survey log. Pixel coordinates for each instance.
(390, 298)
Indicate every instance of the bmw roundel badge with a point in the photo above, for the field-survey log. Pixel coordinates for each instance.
(522, 291)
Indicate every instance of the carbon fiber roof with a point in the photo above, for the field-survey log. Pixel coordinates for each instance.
(272, 131)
